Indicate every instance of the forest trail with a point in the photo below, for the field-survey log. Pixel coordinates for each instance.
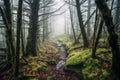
(58, 72)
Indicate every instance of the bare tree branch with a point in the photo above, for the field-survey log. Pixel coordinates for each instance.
(52, 11)
(52, 15)
(89, 17)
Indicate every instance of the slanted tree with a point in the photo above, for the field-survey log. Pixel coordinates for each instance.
(88, 15)
(113, 37)
(117, 15)
(9, 21)
(97, 39)
(95, 27)
(8, 27)
(82, 27)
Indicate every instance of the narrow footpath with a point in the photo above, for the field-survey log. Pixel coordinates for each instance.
(58, 72)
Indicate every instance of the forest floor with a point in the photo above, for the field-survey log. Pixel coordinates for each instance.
(63, 60)
(50, 64)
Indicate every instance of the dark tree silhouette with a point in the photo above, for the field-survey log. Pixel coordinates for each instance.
(9, 21)
(113, 37)
(83, 32)
(19, 25)
(32, 34)
(117, 15)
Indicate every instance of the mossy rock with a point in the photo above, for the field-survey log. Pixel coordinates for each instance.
(77, 57)
(103, 53)
(93, 69)
(75, 61)
(103, 50)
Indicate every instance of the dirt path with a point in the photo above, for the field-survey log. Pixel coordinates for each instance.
(58, 73)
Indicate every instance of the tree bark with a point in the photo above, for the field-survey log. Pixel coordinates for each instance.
(19, 25)
(117, 15)
(97, 39)
(88, 15)
(33, 30)
(9, 21)
(113, 37)
(11, 56)
(8, 12)
(83, 32)
(72, 25)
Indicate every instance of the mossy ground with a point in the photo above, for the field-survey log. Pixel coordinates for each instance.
(39, 65)
(80, 61)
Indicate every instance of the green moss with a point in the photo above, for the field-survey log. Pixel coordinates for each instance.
(49, 78)
(90, 69)
(47, 47)
(102, 50)
(93, 69)
(104, 53)
(67, 42)
(27, 77)
(105, 74)
(35, 65)
(77, 57)
(43, 69)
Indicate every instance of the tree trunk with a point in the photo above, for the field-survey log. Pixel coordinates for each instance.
(11, 56)
(19, 25)
(9, 20)
(44, 26)
(117, 15)
(45, 21)
(95, 28)
(88, 15)
(72, 25)
(97, 39)
(32, 35)
(22, 41)
(113, 37)
(8, 12)
(83, 32)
